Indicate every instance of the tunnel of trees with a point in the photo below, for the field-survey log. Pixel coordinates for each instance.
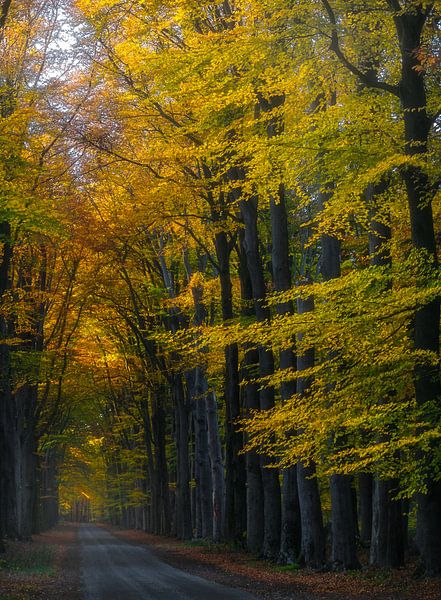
(219, 285)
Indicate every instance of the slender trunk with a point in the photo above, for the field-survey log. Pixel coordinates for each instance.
(7, 504)
(204, 485)
(217, 467)
(183, 504)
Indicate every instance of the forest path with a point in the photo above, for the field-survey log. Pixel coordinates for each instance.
(112, 569)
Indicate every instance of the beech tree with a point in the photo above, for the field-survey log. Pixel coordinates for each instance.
(219, 278)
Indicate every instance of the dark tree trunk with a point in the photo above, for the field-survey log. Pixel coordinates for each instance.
(7, 456)
(291, 521)
(255, 498)
(249, 370)
(291, 542)
(203, 482)
(217, 467)
(344, 533)
(235, 475)
(281, 274)
(183, 504)
(365, 507)
(270, 477)
(313, 534)
(387, 547)
(162, 486)
(420, 192)
(344, 527)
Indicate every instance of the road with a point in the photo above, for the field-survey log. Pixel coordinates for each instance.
(115, 570)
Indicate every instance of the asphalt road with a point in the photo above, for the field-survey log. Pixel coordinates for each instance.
(115, 570)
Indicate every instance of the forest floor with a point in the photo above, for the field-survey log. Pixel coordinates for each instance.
(48, 568)
(268, 581)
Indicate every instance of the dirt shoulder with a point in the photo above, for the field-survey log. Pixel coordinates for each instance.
(47, 568)
(271, 582)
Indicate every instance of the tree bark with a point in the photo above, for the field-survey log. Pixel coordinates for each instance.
(217, 467)
(183, 504)
(235, 475)
(270, 477)
(365, 507)
(420, 193)
(281, 275)
(387, 544)
(249, 370)
(313, 534)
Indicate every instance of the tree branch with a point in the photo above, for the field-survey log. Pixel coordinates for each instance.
(363, 77)
(394, 5)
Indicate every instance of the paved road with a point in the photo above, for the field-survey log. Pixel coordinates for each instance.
(115, 570)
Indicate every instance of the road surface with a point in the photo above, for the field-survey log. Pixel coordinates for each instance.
(115, 570)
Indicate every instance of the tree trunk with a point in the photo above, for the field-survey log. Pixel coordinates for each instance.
(281, 274)
(365, 507)
(344, 529)
(158, 428)
(235, 476)
(313, 534)
(420, 192)
(183, 504)
(203, 483)
(291, 521)
(217, 467)
(387, 544)
(270, 477)
(387, 548)
(249, 370)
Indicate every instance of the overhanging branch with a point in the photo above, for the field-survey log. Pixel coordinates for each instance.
(368, 81)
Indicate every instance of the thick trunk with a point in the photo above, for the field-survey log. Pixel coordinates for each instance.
(162, 486)
(290, 547)
(420, 193)
(291, 521)
(344, 548)
(344, 528)
(365, 507)
(270, 477)
(235, 476)
(387, 547)
(249, 370)
(313, 534)
(208, 452)
(49, 489)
